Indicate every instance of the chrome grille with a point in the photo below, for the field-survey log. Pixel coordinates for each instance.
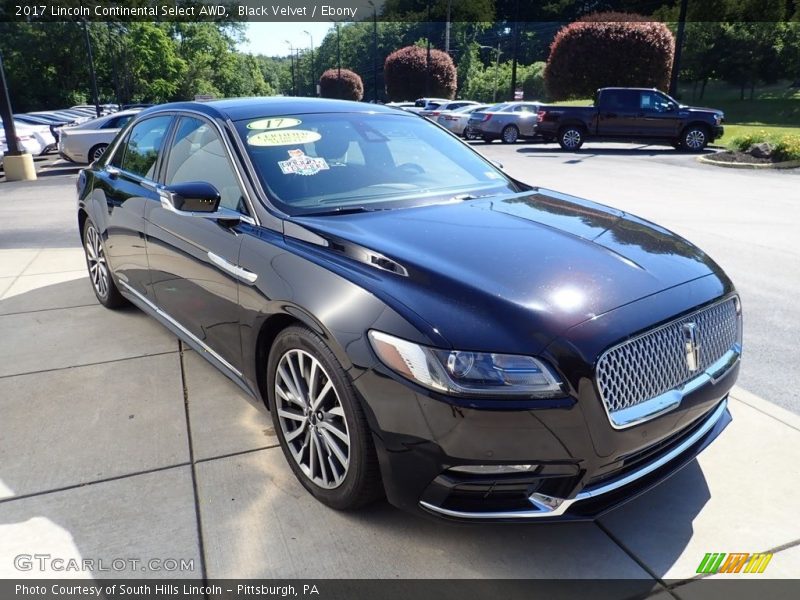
(654, 362)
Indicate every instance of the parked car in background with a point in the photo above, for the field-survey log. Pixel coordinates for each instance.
(86, 142)
(508, 122)
(420, 324)
(456, 121)
(26, 140)
(434, 109)
(40, 132)
(632, 114)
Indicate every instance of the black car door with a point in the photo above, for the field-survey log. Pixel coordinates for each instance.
(128, 183)
(194, 258)
(659, 117)
(617, 113)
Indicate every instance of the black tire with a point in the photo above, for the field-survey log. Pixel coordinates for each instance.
(571, 138)
(694, 138)
(469, 134)
(360, 483)
(100, 275)
(97, 152)
(510, 134)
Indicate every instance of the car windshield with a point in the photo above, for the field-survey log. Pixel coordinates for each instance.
(329, 161)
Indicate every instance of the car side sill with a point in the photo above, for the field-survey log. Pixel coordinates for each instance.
(184, 334)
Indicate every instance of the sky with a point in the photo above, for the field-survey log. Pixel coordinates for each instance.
(270, 38)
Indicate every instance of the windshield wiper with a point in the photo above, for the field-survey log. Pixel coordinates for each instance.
(341, 210)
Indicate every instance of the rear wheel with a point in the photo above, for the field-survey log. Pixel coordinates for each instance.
(469, 134)
(510, 134)
(320, 424)
(570, 138)
(99, 271)
(97, 151)
(694, 138)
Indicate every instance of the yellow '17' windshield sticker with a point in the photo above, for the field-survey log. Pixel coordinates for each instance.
(274, 123)
(290, 137)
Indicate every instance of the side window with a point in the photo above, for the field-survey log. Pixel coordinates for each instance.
(140, 149)
(654, 102)
(117, 122)
(198, 154)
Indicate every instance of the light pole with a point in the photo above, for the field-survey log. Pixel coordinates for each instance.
(291, 58)
(91, 68)
(313, 83)
(374, 52)
(676, 59)
(338, 62)
(496, 66)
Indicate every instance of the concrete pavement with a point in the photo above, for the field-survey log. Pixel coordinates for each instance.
(117, 442)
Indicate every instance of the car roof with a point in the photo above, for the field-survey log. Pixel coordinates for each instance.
(237, 109)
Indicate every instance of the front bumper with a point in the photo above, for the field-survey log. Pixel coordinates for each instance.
(717, 132)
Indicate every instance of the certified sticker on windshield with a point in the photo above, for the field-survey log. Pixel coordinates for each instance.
(274, 123)
(301, 164)
(287, 137)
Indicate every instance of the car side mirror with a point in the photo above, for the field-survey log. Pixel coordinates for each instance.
(190, 197)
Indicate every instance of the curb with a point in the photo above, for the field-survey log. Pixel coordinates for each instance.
(768, 408)
(789, 164)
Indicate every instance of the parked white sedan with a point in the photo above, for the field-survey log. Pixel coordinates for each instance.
(456, 120)
(86, 142)
(26, 140)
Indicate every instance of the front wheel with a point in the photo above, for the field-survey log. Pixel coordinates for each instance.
(99, 270)
(694, 138)
(320, 424)
(570, 138)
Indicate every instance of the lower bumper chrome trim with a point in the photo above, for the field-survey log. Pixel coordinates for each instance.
(548, 506)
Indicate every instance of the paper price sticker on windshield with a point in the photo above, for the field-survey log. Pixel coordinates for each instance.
(301, 164)
(274, 123)
(289, 137)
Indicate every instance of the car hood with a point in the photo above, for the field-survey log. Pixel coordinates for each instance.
(701, 109)
(516, 271)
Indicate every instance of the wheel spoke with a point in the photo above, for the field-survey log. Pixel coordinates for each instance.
(322, 393)
(333, 446)
(287, 414)
(335, 431)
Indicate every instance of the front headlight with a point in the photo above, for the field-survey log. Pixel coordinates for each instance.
(467, 373)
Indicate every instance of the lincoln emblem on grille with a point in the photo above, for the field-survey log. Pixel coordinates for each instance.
(691, 347)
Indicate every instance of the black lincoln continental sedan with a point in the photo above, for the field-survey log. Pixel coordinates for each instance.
(418, 323)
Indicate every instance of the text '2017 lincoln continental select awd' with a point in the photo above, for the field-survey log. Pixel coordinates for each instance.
(418, 323)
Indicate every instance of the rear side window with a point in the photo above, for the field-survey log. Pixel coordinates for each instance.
(139, 152)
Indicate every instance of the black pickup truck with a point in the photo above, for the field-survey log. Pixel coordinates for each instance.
(631, 114)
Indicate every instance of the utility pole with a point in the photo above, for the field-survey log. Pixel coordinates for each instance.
(515, 50)
(291, 58)
(676, 62)
(95, 99)
(338, 62)
(313, 81)
(428, 55)
(374, 51)
(496, 66)
(17, 163)
(447, 28)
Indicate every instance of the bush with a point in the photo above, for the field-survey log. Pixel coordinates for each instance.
(609, 49)
(350, 88)
(533, 84)
(786, 146)
(405, 74)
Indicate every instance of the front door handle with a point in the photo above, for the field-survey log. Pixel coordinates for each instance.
(236, 271)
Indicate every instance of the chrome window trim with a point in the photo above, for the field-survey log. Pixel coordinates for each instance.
(112, 150)
(548, 506)
(181, 328)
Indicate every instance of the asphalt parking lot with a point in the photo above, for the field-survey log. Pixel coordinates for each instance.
(116, 441)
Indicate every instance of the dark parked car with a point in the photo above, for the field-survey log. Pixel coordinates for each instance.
(418, 323)
(632, 114)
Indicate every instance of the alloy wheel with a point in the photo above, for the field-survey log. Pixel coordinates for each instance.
(510, 134)
(96, 259)
(571, 138)
(695, 139)
(98, 152)
(312, 418)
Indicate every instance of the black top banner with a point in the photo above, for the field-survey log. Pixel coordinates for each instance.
(394, 10)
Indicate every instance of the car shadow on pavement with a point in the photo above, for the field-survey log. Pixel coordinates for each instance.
(258, 521)
(590, 150)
